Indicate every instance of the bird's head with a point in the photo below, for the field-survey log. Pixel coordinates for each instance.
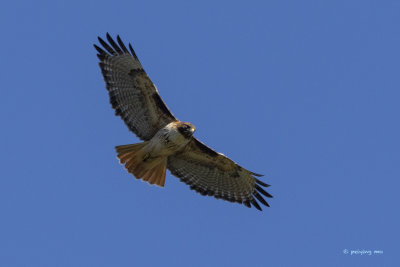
(186, 129)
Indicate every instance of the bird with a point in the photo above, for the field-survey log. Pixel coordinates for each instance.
(168, 143)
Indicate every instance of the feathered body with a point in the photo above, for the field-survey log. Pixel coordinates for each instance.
(148, 160)
(170, 139)
(168, 142)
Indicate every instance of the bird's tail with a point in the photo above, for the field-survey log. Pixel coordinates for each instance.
(141, 164)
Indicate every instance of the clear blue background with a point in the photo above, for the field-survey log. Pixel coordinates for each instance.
(305, 92)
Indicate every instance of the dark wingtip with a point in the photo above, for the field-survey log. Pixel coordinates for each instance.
(106, 46)
(100, 39)
(247, 203)
(255, 204)
(262, 191)
(114, 44)
(262, 183)
(101, 57)
(99, 50)
(260, 198)
(257, 174)
(122, 45)
(133, 51)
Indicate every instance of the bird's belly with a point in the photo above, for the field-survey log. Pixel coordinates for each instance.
(166, 143)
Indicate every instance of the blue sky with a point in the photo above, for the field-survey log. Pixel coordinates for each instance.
(305, 92)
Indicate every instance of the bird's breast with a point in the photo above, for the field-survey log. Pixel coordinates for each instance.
(167, 141)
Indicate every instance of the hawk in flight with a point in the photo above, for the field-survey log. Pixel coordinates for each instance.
(168, 142)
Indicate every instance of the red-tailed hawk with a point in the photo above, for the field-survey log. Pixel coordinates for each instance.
(168, 142)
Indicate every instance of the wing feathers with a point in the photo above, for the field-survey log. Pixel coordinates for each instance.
(106, 46)
(262, 191)
(133, 52)
(205, 148)
(122, 45)
(132, 94)
(99, 50)
(260, 198)
(256, 174)
(211, 173)
(255, 204)
(261, 183)
(113, 44)
(160, 104)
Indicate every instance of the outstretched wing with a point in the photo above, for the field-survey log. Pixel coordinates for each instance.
(211, 173)
(132, 94)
